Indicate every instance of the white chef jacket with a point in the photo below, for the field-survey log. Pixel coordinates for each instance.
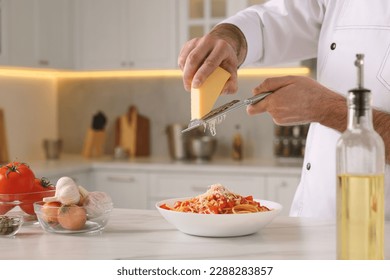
(334, 31)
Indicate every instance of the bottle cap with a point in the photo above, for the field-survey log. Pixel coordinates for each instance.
(359, 98)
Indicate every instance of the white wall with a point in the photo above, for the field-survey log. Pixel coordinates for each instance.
(30, 111)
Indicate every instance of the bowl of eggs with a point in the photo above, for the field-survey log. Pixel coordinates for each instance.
(73, 209)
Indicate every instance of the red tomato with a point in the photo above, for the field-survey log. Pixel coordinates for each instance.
(214, 209)
(164, 206)
(42, 184)
(39, 191)
(230, 204)
(16, 177)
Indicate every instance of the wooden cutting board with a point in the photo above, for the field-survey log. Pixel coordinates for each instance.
(3, 139)
(133, 133)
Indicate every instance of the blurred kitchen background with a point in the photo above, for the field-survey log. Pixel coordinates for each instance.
(62, 61)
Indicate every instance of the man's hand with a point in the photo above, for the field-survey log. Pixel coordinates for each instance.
(224, 46)
(298, 100)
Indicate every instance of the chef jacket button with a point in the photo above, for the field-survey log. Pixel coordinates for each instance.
(332, 46)
(308, 166)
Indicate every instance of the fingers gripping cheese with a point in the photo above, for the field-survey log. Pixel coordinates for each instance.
(204, 97)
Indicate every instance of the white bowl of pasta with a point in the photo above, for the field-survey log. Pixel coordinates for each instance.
(218, 225)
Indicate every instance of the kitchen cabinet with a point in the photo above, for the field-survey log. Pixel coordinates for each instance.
(105, 34)
(197, 17)
(82, 178)
(141, 184)
(37, 33)
(54, 44)
(3, 30)
(125, 34)
(188, 184)
(142, 189)
(20, 35)
(281, 188)
(128, 189)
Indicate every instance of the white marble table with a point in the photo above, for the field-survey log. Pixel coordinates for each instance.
(144, 234)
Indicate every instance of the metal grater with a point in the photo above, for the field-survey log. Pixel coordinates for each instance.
(218, 114)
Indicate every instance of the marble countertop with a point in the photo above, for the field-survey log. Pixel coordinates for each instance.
(144, 234)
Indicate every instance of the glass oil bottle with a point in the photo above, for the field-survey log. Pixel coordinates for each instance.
(360, 179)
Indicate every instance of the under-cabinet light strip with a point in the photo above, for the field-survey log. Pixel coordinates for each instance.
(152, 73)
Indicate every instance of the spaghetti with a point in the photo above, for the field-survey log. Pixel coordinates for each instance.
(218, 200)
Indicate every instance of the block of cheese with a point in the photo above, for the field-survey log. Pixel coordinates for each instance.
(204, 97)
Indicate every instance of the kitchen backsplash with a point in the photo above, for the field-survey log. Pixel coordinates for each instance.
(30, 113)
(164, 101)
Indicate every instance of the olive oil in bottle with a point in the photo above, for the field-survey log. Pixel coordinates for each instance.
(360, 232)
(360, 180)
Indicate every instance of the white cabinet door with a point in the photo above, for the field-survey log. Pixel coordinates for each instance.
(282, 189)
(175, 185)
(21, 32)
(53, 33)
(151, 35)
(100, 33)
(124, 34)
(128, 189)
(3, 32)
(38, 33)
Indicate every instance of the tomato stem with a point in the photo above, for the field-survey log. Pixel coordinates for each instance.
(45, 182)
(14, 168)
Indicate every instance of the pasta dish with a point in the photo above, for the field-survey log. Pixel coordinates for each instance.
(218, 200)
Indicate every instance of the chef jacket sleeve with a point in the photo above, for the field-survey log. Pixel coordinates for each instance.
(280, 30)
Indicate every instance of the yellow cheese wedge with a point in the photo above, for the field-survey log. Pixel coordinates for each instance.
(204, 97)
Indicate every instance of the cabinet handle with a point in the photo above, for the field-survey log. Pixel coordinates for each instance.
(43, 62)
(284, 184)
(121, 179)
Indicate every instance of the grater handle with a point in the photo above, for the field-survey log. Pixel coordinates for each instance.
(254, 99)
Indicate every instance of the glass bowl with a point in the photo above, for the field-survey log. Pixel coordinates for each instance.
(67, 219)
(22, 203)
(10, 225)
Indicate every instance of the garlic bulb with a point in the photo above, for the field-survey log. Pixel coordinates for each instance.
(65, 181)
(83, 194)
(67, 192)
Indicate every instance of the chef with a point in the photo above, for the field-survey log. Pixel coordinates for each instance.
(334, 31)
